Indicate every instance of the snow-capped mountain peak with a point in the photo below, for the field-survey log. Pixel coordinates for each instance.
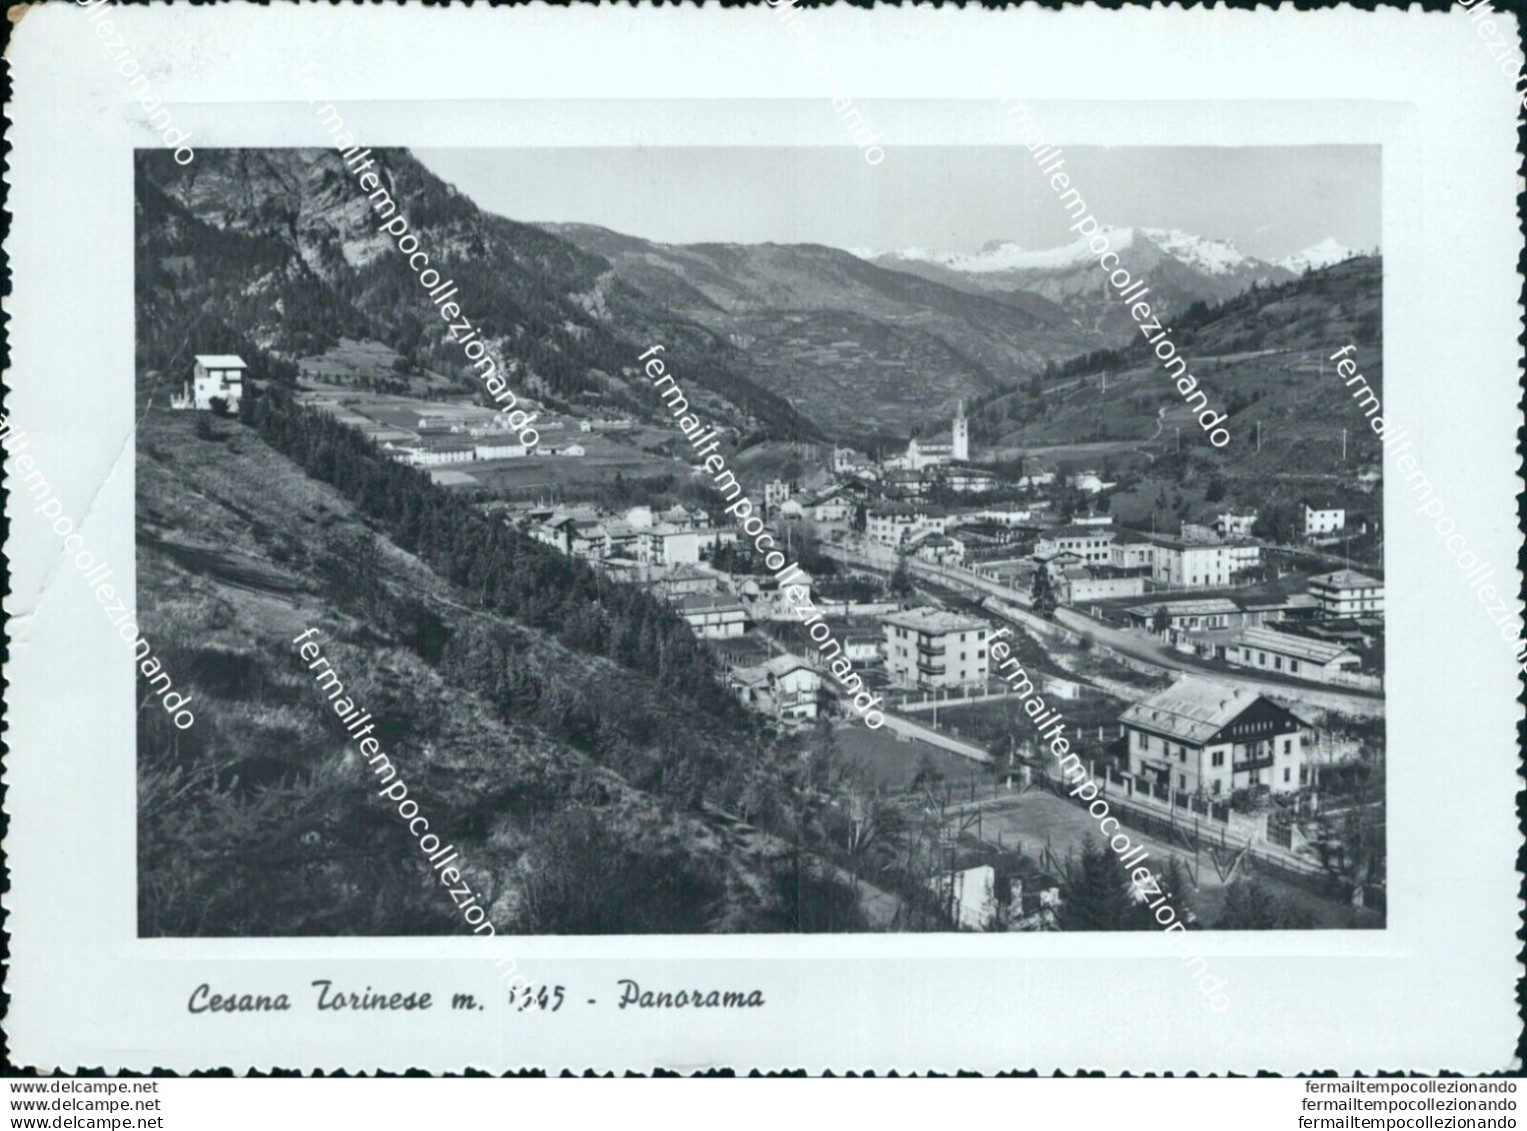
(1212, 257)
(1323, 254)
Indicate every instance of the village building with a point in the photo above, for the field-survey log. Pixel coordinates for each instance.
(904, 483)
(1129, 550)
(1187, 616)
(1321, 517)
(775, 492)
(1203, 736)
(939, 549)
(1235, 524)
(1267, 649)
(682, 581)
(441, 454)
(1272, 610)
(967, 480)
(667, 545)
(773, 601)
(1090, 482)
(846, 461)
(622, 540)
(832, 508)
(934, 648)
(1056, 562)
(862, 645)
(1079, 584)
(1189, 565)
(1347, 593)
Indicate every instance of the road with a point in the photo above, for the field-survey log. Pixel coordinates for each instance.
(1155, 651)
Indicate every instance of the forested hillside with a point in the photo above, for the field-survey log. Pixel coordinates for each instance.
(276, 253)
(567, 735)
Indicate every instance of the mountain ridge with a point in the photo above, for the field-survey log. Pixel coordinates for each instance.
(288, 257)
(1181, 269)
(883, 348)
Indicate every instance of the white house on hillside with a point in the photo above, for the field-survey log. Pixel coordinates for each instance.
(1323, 518)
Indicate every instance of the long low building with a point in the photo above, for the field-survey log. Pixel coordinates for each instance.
(1267, 649)
(1188, 616)
(1079, 584)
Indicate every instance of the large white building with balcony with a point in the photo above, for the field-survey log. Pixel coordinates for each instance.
(1203, 736)
(934, 648)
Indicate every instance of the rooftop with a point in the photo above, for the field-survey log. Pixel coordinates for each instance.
(934, 621)
(1192, 710)
(220, 361)
(1074, 531)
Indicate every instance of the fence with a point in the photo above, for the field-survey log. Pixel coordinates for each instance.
(1182, 819)
(909, 729)
(933, 702)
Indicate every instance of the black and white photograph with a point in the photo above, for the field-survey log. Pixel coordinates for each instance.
(686, 541)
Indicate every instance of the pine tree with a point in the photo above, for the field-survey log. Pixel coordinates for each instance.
(1097, 895)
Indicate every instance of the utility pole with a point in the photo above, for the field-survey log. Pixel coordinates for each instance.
(1343, 445)
(1259, 435)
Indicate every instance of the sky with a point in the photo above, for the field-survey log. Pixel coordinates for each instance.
(1269, 201)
